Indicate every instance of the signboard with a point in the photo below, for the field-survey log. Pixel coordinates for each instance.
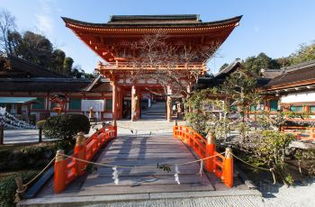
(97, 105)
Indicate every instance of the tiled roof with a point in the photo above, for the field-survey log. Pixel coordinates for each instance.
(155, 23)
(145, 19)
(20, 68)
(42, 84)
(295, 75)
(229, 69)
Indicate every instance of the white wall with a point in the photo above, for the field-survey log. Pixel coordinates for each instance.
(298, 97)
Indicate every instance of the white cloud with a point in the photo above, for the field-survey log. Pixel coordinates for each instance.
(257, 29)
(44, 19)
(45, 24)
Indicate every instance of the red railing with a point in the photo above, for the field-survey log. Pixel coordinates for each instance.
(300, 132)
(131, 66)
(68, 169)
(221, 166)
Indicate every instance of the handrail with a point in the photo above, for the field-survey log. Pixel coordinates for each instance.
(68, 169)
(133, 66)
(300, 132)
(221, 166)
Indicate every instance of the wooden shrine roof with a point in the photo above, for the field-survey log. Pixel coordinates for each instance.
(42, 84)
(143, 21)
(20, 68)
(154, 19)
(293, 76)
(110, 40)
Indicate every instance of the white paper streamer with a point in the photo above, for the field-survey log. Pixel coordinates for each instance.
(176, 175)
(201, 168)
(115, 175)
(10, 121)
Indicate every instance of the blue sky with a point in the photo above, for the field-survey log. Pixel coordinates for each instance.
(276, 27)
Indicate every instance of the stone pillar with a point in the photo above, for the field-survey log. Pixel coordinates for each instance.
(135, 109)
(169, 104)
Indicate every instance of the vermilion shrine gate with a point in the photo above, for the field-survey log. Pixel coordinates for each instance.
(113, 42)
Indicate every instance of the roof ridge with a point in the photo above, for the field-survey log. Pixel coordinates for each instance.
(82, 23)
(299, 66)
(34, 64)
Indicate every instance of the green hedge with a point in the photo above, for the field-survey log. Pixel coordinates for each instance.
(8, 187)
(28, 157)
(66, 126)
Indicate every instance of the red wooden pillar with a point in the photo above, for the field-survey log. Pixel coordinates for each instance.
(114, 100)
(120, 102)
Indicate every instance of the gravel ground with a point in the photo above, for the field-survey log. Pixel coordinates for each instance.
(294, 196)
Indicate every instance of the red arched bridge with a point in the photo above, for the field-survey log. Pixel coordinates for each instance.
(138, 167)
(131, 161)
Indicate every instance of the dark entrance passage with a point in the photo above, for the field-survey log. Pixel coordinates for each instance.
(126, 108)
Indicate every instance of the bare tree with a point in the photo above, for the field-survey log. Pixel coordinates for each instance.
(7, 25)
(171, 63)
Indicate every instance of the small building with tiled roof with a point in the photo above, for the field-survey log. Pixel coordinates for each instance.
(26, 89)
(295, 87)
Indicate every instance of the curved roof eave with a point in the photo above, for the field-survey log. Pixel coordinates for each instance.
(234, 20)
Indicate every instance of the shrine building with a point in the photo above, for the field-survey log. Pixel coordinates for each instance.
(114, 42)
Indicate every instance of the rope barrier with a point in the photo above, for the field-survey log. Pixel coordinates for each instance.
(130, 167)
(97, 163)
(203, 159)
(41, 172)
(164, 167)
(271, 170)
(136, 130)
(21, 188)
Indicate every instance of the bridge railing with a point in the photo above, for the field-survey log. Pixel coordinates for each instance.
(221, 166)
(300, 132)
(68, 169)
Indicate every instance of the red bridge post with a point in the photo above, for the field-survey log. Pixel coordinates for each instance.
(210, 150)
(79, 152)
(228, 168)
(60, 174)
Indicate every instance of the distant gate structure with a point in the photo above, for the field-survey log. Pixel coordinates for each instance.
(124, 44)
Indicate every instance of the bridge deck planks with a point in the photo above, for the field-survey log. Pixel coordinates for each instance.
(142, 154)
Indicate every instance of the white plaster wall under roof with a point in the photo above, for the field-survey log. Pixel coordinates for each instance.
(298, 97)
